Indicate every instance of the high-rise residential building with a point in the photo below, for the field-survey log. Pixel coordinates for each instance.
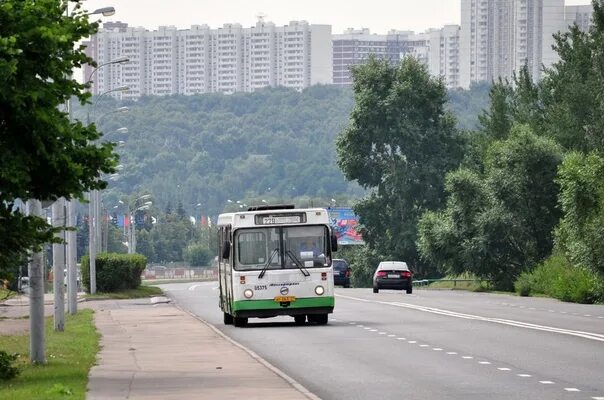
(579, 15)
(438, 49)
(499, 37)
(203, 60)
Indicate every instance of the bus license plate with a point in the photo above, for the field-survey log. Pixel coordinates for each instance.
(285, 299)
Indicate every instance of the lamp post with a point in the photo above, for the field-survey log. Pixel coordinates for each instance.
(94, 205)
(133, 207)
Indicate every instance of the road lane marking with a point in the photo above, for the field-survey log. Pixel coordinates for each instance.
(519, 324)
(484, 362)
(424, 345)
(391, 335)
(451, 352)
(547, 382)
(572, 389)
(401, 338)
(437, 349)
(467, 357)
(193, 287)
(412, 341)
(504, 369)
(524, 375)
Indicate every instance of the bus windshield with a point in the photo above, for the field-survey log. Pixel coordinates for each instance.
(287, 247)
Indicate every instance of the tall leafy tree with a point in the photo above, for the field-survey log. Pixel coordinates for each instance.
(399, 143)
(43, 154)
(497, 223)
(572, 88)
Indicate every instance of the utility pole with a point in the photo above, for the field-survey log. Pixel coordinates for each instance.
(72, 272)
(36, 297)
(58, 265)
(92, 242)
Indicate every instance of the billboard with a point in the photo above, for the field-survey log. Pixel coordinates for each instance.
(344, 223)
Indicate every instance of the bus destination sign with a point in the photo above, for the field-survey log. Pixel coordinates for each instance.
(273, 219)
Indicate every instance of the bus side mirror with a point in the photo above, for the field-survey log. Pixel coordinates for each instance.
(334, 243)
(226, 249)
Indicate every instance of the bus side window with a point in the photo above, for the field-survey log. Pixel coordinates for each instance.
(225, 243)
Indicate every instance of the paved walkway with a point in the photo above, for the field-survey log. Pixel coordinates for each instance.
(161, 352)
(151, 350)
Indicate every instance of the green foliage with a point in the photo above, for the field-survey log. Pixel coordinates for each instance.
(582, 200)
(399, 143)
(362, 260)
(571, 95)
(198, 255)
(44, 155)
(115, 272)
(557, 277)
(497, 223)
(468, 104)
(497, 121)
(7, 368)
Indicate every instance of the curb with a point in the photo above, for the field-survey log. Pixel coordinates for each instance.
(298, 386)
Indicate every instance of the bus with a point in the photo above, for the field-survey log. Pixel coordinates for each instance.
(276, 260)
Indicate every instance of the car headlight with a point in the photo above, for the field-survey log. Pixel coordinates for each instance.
(248, 293)
(319, 290)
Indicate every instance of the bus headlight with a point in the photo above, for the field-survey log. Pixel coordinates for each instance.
(248, 293)
(319, 290)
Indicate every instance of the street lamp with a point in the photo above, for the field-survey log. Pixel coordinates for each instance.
(106, 11)
(133, 207)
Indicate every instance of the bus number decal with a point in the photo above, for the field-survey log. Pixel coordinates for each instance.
(260, 287)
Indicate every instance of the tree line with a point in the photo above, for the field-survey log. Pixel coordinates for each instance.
(520, 197)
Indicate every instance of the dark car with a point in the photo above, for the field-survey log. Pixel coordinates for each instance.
(393, 275)
(341, 273)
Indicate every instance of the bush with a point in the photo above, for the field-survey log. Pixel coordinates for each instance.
(7, 369)
(115, 272)
(559, 279)
(198, 255)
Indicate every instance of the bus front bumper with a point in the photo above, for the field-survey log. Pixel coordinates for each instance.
(271, 308)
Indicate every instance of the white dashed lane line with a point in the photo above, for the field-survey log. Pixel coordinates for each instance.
(484, 363)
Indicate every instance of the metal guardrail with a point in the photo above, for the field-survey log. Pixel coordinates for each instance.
(426, 282)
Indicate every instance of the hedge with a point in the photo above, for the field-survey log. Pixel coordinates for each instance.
(114, 272)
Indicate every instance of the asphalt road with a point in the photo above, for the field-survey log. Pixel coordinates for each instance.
(428, 345)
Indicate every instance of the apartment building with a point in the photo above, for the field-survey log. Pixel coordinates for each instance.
(202, 60)
(499, 37)
(579, 15)
(438, 49)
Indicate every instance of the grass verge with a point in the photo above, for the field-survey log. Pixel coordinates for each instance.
(70, 355)
(6, 294)
(140, 292)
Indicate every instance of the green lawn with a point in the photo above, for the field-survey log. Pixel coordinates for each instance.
(70, 355)
(139, 292)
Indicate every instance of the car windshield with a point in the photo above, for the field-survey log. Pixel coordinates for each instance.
(281, 248)
(340, 265)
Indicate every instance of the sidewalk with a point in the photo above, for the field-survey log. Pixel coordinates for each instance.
(157, 351)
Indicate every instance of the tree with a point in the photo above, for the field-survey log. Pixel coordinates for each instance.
(497, 223)
(399, 143)
(497, 121)
(582, 200)
(44, 154)
(198, 255)
(572, 88)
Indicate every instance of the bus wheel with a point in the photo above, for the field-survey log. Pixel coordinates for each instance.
(300, 319)
(319, 319)
(227, 319)
(240, 322)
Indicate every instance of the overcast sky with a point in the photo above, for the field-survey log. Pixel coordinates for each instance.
(377, 15)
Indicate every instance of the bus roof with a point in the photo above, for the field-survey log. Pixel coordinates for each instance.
(247, 219)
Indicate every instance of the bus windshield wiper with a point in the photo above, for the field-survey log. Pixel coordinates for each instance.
(297, 262)
(275, 251)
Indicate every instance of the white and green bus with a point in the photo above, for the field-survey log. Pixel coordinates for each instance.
(276, 260)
